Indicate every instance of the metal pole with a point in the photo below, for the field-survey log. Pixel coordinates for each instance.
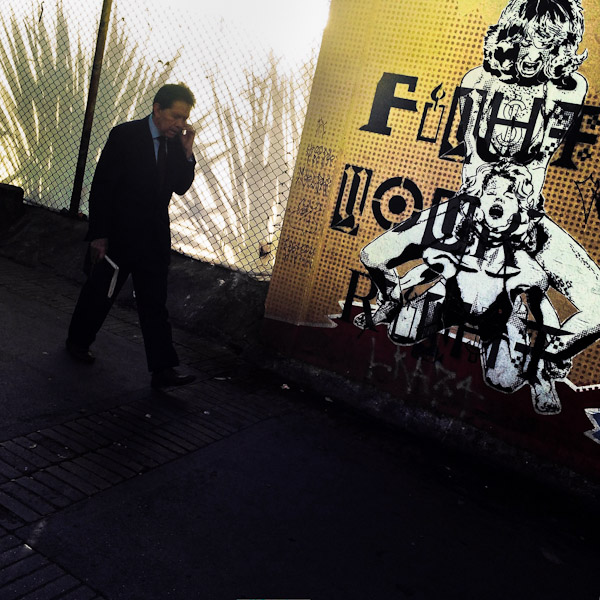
(89, 110)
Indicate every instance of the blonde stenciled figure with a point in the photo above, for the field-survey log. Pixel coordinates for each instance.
(483, 275)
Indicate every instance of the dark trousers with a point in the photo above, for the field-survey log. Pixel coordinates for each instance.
(150, 286)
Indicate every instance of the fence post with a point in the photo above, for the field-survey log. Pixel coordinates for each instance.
(89, 110)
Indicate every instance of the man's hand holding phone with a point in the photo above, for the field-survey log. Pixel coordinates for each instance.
(186, 136)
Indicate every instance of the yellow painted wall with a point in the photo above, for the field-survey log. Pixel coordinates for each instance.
(436, 43)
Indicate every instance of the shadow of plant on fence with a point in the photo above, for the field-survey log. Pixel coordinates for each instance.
(237, 225)
(43, 100)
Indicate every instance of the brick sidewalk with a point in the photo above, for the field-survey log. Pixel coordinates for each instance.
(51, 469)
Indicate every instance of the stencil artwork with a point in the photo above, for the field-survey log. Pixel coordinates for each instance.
(484, 261)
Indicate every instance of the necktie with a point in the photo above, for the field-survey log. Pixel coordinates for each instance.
(161, 161)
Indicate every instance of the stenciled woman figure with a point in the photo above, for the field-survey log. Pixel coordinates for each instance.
(518, 105)
(483, 275)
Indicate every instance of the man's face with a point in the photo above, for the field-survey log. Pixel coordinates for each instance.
(499, 203)
(534, 51)
(170, 121)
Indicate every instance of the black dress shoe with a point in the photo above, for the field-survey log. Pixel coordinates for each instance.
(170, 378)
(80, 353)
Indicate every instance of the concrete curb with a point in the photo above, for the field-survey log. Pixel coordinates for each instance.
(44, 239)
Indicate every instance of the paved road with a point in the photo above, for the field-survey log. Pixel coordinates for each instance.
(238, 487)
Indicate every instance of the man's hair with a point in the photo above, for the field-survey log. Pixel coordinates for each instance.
(173, 92)
(560, 21)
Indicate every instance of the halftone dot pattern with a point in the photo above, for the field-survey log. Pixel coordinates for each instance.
(400, 36)
(436, 45)
(571, 204)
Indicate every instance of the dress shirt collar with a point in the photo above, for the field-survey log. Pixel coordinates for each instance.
(153, 128)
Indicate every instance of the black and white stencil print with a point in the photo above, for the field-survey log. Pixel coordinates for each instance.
(486, 258)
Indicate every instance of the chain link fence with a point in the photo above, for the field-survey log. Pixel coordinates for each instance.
(250, 65)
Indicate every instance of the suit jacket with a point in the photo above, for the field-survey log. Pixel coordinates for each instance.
(126, 204)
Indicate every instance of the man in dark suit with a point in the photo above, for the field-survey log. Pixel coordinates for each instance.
(141, 165)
